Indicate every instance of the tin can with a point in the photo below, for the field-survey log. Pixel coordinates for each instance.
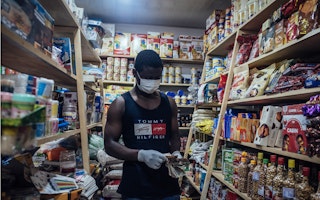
(109, 68)
(116, 76)
(164, 79)
(177, 79)
(110, 76)
(165, 70)
(193, 71)
(171, 71)
(116, 69)
(178, 71)
(171, 79)
(110, 61)
(117, 62)
(123, 70)
(123, 77)
(124, 62)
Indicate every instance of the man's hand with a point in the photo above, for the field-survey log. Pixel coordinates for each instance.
(152, 158)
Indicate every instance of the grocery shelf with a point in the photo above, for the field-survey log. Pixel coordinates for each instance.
(221, 49)
(50, 138)
(293, 49)
(218, 175)
(64, 18)
(190, 179)
(185, 106)
(184, 128)
(98, 124)
(252, 24)
(215, 79)
(29, 60)
(208, 105)
(279, 151)
(161, 84)
(118, 82)
(285, 97)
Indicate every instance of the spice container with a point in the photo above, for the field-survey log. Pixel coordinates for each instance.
(256, 176)
(243, 175)
(289, 183)
(303, 189)
(316, 196)
(278, 180)
(251, 166)
(262, 178)
(270, 174)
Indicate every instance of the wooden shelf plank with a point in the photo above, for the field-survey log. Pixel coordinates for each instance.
(98, 124)
(161, 84)
(63, 17)
(255, 22)
(50, 138)
(190, 179)
(279, 151)
(215, 79)
(221, 49)
(218, 175)
(290, 96)
(208, 105)
(118, 82)
(184, 128)
(29, 60)
(293, 49)
(185, 106)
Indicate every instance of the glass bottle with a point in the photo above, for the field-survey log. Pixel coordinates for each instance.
(243, 175)
(270, 174)
(278, 180)
(290, 182)
(316, 196)
(256, 176)
(252, 165)
(303, 189)
(262, 179)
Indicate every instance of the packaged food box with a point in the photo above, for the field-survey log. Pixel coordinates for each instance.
(166, 47)
(270, 122)
(294, 127)
(107, 46)
(196, 50)
(279, 36)
(138, 43)
(153, 41)
(176, 47)
(167, 35)
(185, 50)
(122, 43)
(30, 20)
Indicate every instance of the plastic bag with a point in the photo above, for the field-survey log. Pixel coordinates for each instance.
(240, 82)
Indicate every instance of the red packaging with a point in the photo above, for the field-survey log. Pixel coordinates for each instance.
(294, 127)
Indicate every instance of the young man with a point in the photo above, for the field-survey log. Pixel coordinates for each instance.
(147, 121)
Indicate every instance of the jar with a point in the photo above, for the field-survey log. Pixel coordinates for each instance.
(70, 115)
(6, 98)
(22, 105)
(177, 99)
(243, 175)
(8, 140)
(183, 100)
(7, 85)
(67, 160)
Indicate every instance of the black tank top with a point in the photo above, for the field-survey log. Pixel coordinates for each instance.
(147, 129)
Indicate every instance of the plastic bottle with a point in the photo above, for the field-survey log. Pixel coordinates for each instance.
(303, 189)
(316, 196)
(278, 180)
(289, 183)
(243, 175)
(262, 179)
(270, 174)
(252, 165)
(256, 176)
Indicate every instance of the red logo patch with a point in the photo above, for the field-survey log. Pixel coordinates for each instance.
(159, 129)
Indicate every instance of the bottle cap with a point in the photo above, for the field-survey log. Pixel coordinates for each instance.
(260, 155)
(280, 161)
(265, 161)
(291, 163)
(273, 158)
(253, 162)
(305, 171)
(244, 154)
(243, 159)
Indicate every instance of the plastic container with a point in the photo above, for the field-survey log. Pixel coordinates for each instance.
(6, 98)
(8, 140)
(45, 88)
(67, 161)
(70, 115)
(54, 108)
(22, 105)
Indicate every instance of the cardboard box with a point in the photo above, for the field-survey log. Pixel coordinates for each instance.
(196, 50)
(73, 195)
(138, 43)
(176, 49)
(270, 122)
(122, 43)
(154, 44)
(107, 46)
(185, 50)
(294, 127)
(166, 47)
(167, 35)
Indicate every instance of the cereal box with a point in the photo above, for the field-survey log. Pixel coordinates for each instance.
(166, 47)
(122, 43)
(107, 46)
(153, 41)
(294, 127)
(176, 47)
(138, 43)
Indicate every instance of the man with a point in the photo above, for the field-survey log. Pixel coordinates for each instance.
(147, 121)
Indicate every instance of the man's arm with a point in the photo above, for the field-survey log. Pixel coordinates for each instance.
(175, 138)
(112, 133)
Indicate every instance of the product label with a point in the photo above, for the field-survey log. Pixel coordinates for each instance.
(255, 176)
(288, 193)
(261, 190)
(268, 192)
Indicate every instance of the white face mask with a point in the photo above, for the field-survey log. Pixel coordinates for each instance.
(148, 86)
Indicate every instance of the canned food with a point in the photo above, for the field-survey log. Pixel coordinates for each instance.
(110, 76)
(171, 79)
(164, 79)
(165, 70)
(123, 77)
(177, 79)
(117, 62)
(217, 62)
(178, 70)
(131, 64)
(110, 61)
(124, 62)
(109, 68)
(116, 76)
(171, 71)
(193, 71)
(123, 70)
(116, 69)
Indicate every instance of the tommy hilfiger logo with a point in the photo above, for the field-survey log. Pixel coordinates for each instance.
(150, 128)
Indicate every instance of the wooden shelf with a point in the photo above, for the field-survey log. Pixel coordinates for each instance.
(29, 60)
(161, 84)
(208, 105)
(254, 23)
(63, 17)
(119, 82)
(218, 175)
(279, 151)
(185, 106)
(221, 49)
(215, 79)
(293, 49)
(98, 124)
(184, 128)
(166, 60)
(50, 138)
(190, 179)
(286, 97)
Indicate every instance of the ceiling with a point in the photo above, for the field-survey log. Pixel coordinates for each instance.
(175, 13)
